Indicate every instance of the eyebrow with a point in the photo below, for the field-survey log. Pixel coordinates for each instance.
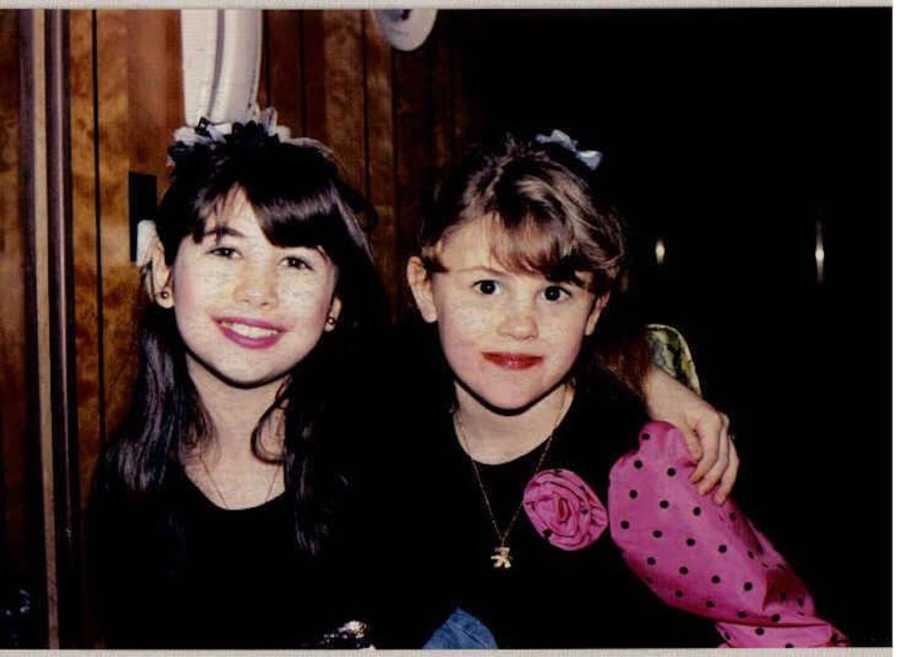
(223, 231)
(488, 270)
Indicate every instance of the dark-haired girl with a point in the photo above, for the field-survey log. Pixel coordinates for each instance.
(220, 511)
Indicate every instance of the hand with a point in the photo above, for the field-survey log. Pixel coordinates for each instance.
(705, 431)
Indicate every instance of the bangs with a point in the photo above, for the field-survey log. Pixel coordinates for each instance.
(538, 218)
(308, 217)
(530, 246)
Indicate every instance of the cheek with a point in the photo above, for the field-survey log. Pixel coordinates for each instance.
(567, 337)
(185, 289)
(461, 326)
(310, 302)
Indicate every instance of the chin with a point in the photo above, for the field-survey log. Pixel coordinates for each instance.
(508, 403)
(248, 380)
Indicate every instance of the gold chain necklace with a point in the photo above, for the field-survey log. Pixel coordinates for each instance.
(501, 555)
(219, 490)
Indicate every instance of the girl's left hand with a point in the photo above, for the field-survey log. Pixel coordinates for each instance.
(705, 430)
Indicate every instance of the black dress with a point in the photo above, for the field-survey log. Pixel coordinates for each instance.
(549, 598)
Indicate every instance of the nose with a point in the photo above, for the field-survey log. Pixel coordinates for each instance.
(257, 287)
(520, 322)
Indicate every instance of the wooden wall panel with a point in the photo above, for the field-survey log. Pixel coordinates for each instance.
(413, 141)
(281, 80)
(441, 78)
(379, 156)
(155, 110)
(84, 237)
(14, 433)
(344, 91)
(136, 121)
(119, 278)
(312, 29)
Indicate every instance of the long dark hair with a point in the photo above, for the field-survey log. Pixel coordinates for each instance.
(300, 199)
(547, 213)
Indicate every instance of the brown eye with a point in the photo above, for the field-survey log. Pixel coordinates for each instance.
(224, 252)
(296, 263)
(486, 287)
(555, 293)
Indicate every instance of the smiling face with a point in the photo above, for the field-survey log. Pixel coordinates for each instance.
(247, 311)
(510, 338)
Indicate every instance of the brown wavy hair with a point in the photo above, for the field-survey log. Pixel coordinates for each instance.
(545, 215)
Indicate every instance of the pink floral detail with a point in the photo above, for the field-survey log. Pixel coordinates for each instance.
(564, 509)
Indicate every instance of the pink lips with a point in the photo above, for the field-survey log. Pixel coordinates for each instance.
(512, 361)
(255, 342)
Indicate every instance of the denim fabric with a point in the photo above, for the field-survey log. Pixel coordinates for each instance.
(461, 630)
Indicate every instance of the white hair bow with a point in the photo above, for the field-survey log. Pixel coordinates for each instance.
(591, 159)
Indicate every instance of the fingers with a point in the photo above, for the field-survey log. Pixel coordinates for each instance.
(712, 477)
(730, 475)
(711, 428)
(692, 442)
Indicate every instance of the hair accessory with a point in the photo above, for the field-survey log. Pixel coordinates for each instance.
(260, 127)
(208, 134)
(591, 159)
(146, 235)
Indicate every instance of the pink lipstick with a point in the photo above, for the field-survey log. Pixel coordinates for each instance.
(512, 361)
(250, 333)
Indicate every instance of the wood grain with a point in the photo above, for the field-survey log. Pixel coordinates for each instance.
(84, 239)
(380, 189)
(312, 28)
(14, 433)
(155, 110)
(281, 79)
(120, 280)
(413, 139)
(344, 91)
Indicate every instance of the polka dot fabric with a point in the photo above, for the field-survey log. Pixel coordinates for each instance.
(703, 558)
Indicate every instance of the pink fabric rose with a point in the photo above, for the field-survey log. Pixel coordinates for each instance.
(564, 509)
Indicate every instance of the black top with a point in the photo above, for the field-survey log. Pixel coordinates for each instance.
(223, 579)
(549, 598)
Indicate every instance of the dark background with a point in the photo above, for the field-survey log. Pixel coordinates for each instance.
(728, 134)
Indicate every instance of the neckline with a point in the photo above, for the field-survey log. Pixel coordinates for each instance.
(561, 430)
(208, 503)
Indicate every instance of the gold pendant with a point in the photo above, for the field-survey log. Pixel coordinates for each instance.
(501, 557)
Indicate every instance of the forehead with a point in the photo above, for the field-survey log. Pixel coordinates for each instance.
(233, 210)
(468, 245)
(484, 243)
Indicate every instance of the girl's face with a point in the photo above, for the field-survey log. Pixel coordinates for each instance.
(248, 311)
(511, 338)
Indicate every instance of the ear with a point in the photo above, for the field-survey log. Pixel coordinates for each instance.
(420, 284)
(599, 304)
(158, 280)
(333, 313)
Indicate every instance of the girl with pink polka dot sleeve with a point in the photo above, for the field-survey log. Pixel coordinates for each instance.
(550, 527)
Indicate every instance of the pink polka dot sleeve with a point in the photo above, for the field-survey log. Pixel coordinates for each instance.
(703, 558)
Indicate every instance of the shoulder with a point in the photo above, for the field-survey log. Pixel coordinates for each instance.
(607, 416)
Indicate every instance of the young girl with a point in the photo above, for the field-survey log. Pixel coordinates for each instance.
(555, 496)
(221, 509)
